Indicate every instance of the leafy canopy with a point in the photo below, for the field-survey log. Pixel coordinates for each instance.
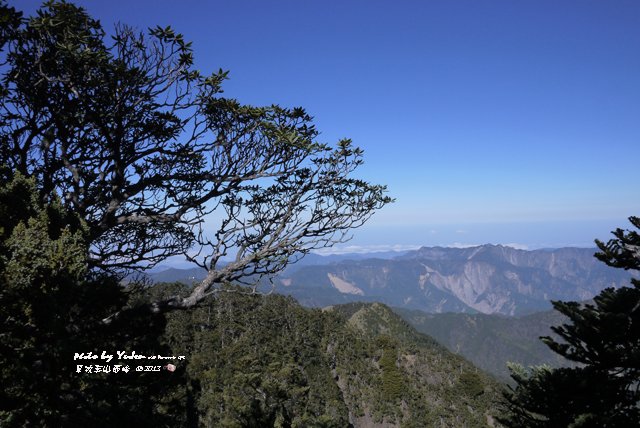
(156, 162)
(115, 154)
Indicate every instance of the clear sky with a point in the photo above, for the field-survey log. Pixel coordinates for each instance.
(513, 122)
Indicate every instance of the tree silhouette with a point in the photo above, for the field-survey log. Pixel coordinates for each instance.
(156, 162)
(604, 338)
(115, 154)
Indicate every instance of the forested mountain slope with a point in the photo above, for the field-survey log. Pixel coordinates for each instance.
(260, 361)
(491, 341)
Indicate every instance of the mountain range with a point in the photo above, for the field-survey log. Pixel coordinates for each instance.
(489, 304)
(488, 279)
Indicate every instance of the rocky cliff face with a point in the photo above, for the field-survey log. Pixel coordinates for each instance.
(490, 279)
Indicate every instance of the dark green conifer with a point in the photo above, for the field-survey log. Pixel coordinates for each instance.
(603, 337)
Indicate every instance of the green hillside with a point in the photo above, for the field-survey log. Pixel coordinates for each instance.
(267, 361)
(490, 341)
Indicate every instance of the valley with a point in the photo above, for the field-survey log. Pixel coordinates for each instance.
(489, 304)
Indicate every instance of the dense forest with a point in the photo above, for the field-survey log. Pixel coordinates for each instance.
(266, 361)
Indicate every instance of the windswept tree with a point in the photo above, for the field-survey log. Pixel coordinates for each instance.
(115, 154)
(603, 337)
(126, 134)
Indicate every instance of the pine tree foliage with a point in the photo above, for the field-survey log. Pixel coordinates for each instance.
(604, 338)
(624, 251)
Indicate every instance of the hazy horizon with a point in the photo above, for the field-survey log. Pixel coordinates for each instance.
(179, 262)
(502, 122)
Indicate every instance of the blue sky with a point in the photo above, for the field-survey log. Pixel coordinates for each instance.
(514, 122)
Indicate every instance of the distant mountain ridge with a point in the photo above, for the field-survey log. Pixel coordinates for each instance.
(164, 273)
(489, 279)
